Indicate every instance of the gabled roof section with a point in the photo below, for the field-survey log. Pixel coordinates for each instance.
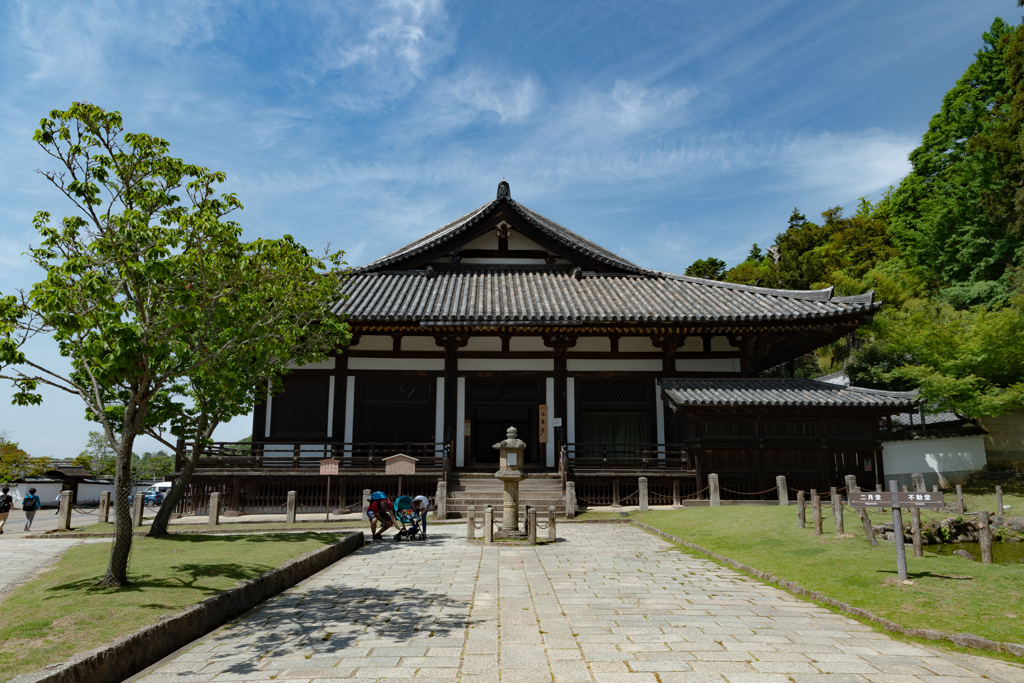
(455, 232)
(781, 392)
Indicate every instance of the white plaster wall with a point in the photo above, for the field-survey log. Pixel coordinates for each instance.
(592, 345)
(1005, 439)
(374, 342)
(492, 344)
(327, 364)
(90, 493)
(47, 493)
(708, 364)
(944, 461)
(507, 364)
(722, 344)
(420, 344)
(517, 344)
(691, 345)
(637, 345)
(427, 364)
(611, 365)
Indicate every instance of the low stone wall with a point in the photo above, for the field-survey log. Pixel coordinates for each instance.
(129, 655)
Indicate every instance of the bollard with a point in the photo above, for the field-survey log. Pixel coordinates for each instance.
(801, 510)
(137, 503)
(816, 508)
(104, 511)
(935, 488)
(215, 508)
(780, 484)
(984, 537)
(531, 525)
(960, 499)
(915, 531)
(713, 493)
(470, 523)
(642, 495)
(551, 523)
(837, 513)
(851, 485)
(676, 498)
(289, 515)
(64, 511)
(918, 479)
(366, 504)
(488, 525)
(570, 499)
(999, 501)
(441, 501)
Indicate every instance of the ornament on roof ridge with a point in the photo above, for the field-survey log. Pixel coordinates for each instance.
(503, 190)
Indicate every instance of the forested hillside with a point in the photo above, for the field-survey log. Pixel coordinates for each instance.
(944, 250)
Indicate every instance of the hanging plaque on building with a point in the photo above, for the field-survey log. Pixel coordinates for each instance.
(542, 423)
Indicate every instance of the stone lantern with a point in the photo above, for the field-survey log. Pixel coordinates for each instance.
(511, 473)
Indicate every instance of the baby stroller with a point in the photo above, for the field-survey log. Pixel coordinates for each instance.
(407, 519)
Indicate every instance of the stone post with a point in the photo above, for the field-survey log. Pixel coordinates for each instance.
(851, 484)
(801, 511)
(676, 498)
(999, 500)
(137, 504)
(64, 511)
(642, 495)
(918, 480)
(104, 511)
(551, 524)
(713, 490)
(488, 525)
(441, 500)
(531, 525)
(837, 512)
(510, 472)
(570, 499)
(215, 508)
(289, 514)
(960, 499)
(783, 489)
(470, 523)
(984, 537)
(935, 488)
(366, 504)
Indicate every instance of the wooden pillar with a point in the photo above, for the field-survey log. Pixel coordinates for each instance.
(561, 391)
(340, 398)
(451, 343)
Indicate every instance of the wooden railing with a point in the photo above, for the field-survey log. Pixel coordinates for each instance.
(628, 457)
(430, 457)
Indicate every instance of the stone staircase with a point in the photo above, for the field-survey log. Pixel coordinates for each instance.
(540, 490)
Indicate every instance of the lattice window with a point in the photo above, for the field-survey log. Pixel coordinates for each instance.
(382, 389)
(505, 391)
(599, 392)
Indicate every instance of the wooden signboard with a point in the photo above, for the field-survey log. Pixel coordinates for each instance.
(542, 423)
(329, 466)
(903, 499)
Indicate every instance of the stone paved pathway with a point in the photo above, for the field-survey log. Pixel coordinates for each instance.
(611, 604)
(20, 557)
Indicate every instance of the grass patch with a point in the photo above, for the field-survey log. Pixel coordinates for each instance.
(62, 612)
(948, 594)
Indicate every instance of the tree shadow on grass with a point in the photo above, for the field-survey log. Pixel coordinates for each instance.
(926, 575)
(186, 576)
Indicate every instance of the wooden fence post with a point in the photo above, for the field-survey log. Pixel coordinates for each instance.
(837, 512)
(960, 499)
(801, 512)
(999, 500)
(214, 508)
(780, 484)
(816, 508)
(869, 531)
(915, 530)
(984, 537)
(643, 494)
(713, 493)
(918, 480)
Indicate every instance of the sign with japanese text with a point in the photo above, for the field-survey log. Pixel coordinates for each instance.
(902, 499)
(329, 466)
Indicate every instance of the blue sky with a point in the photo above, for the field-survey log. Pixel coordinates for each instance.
(665, 131)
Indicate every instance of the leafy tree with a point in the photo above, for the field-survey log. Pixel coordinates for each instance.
(98, 456)
(709, 268)
(153, 465)
(16, 463)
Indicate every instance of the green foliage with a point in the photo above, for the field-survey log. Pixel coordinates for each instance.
(16, 463)
(873, 365)
(710, 268)
(98, 456)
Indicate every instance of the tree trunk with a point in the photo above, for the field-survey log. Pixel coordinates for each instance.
(177, 490)
(117, 569)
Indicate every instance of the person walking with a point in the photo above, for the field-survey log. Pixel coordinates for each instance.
(6, 503)
(421, 504)
(29, 505)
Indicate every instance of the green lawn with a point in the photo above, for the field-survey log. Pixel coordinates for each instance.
(948, 593)
(62, 611)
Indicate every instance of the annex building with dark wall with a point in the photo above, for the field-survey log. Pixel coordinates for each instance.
(608, 370)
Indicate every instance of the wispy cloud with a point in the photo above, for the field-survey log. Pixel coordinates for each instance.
(472, 94)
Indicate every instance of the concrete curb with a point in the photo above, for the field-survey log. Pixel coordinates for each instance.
(958, 639)
(131, 654)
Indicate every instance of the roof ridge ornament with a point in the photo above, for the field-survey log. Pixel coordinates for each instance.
(504, 192)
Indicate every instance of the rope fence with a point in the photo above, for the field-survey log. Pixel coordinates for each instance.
(745, 493)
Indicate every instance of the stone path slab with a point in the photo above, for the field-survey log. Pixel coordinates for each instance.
(21, 557)
(610, 604)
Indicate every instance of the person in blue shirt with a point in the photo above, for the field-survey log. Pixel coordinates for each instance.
(30, 504)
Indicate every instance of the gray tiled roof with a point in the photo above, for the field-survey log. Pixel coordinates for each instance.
(545, 225)
(558, 296)
(780, 392)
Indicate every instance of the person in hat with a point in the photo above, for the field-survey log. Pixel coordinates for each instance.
(381, 509)
(29, 505)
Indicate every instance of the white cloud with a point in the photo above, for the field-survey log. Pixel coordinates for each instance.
(470, 95)
(847, 164)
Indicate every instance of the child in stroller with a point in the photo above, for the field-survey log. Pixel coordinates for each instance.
(408, 519)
